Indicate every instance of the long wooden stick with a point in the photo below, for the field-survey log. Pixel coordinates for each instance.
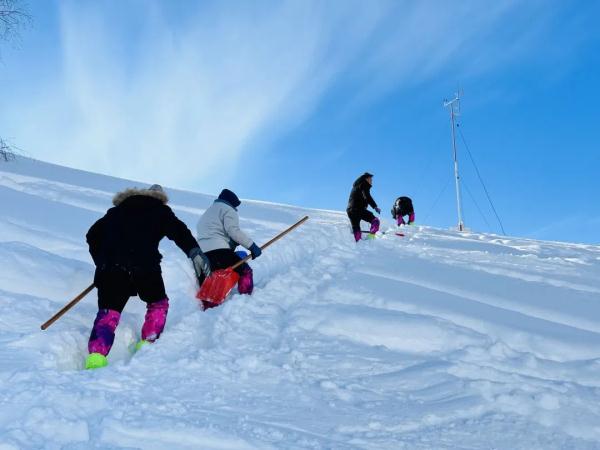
(279, 236)
(87, 290)
(67, 307)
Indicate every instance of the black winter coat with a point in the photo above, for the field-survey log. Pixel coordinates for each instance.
(402, 207)
(129, 233)
(360, 196)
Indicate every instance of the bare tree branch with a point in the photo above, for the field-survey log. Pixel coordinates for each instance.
(6, 152)
(14, 16)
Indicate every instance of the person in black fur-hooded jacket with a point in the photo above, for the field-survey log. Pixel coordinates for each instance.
(124, 246)
(360, 199)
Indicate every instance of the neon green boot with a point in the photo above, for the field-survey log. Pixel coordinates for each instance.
(140, 344)
(95, 361)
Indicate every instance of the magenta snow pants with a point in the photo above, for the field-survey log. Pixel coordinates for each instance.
(374, 225)
(103, 331)
(411, 219)
(246, 281)
(154, 322)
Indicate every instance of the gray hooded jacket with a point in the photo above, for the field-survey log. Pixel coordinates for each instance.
(219, 225)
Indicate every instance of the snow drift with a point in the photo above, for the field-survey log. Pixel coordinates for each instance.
(432, 340)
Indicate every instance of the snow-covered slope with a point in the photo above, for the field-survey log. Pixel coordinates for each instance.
(432, 340)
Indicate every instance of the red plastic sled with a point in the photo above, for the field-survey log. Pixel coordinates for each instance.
(216, 287)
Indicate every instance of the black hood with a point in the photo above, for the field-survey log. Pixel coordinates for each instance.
(230, 197)
(362, 178)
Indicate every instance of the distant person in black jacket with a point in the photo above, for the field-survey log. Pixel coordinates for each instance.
(403, 207)
(360, 199)
(124, 247)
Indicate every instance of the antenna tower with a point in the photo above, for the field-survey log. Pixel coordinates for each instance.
(454, 107)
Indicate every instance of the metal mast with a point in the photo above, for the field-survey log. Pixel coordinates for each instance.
(454, 107)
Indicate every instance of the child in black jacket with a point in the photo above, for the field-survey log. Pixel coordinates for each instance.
(403, 207)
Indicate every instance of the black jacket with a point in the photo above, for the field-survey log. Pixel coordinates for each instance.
(402, 207)
(129, 233)
(360, 196)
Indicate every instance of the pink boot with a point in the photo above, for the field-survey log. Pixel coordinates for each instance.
(103, 331)
(374, 225)
(246, 282)
(411, 218)
(154, 322)
(357, 236)
(400, 221)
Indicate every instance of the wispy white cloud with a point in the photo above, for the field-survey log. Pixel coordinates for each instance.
(177, 97)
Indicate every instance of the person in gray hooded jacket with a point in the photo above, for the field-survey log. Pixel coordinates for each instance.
(219, 234)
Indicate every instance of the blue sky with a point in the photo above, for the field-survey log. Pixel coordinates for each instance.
(291, 101)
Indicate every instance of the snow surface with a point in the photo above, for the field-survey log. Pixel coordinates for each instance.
(433, 340)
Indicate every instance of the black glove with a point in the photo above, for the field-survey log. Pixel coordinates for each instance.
(378, 209)
(200, 262)
(255, 251)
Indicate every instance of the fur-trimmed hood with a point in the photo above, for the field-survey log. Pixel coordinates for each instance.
(120, 197)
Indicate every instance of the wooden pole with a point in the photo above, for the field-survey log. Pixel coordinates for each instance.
(67, 307)
(279, 236)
